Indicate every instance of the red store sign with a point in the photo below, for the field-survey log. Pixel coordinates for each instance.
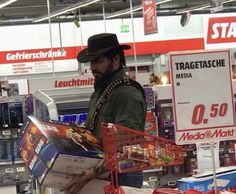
(221, 30)
(149, 16)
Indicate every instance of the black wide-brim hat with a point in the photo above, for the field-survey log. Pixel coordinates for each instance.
(99, 44)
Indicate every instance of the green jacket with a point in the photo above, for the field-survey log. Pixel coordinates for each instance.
(126, 106)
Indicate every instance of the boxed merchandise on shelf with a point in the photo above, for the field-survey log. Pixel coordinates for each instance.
(209, 192)
(61, 148)
(73, 118)
(15, 114)
(151, 124)
(225, 178)
(5, 151)
(4, 122)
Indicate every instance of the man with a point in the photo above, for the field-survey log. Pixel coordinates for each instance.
(116, 98)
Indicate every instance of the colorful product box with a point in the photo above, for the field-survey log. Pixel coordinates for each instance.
(38, 168)
(151, 126)
(225, 178)
(62, 148)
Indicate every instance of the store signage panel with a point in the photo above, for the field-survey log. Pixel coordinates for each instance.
(37, 67)
(60, 82)
(149, 16)
(221, 30)
(204, 156)
(202, 96)
(31, 68)
(35, 61)
(31, 55)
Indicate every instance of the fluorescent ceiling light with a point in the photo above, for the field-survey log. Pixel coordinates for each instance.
(199, 7)
(123, 12)
(127, 11)
(16, 20)
(194, 8)
(227, 1)
(68, 9)
(6, 3)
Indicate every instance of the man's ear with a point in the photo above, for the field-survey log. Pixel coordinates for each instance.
(117, 61)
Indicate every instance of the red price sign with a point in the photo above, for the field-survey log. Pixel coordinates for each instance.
(202, 96)
(198, 116)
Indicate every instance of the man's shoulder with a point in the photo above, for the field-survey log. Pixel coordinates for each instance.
(127, 91)
(129, 87)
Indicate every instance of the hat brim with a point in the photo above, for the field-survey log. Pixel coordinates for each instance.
(84, 57)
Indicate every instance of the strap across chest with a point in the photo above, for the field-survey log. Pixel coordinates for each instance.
(93, 115)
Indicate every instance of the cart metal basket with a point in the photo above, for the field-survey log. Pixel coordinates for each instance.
(129, 150)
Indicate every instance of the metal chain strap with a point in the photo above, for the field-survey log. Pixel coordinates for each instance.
(92, 117)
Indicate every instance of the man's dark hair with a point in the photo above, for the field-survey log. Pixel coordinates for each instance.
(113, 52)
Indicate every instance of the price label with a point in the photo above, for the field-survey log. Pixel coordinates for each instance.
(6, 132)
(203, 99)
(200, 113)
(204, 156)
(9, 170)
(20, 169)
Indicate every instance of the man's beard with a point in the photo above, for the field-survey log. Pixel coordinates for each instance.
(101, 77)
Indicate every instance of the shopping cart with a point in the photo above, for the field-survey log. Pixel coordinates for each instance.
(128, 150)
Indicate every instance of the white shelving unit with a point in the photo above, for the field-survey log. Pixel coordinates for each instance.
(48, 103)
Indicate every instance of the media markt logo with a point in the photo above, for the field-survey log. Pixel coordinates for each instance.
(218, 133)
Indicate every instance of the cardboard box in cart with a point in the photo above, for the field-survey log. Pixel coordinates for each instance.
(63, 149)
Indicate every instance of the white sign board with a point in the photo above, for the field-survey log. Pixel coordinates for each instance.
(62, 82)
(202, 96)
(205, 156)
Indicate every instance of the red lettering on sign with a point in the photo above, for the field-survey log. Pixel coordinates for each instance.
(221, 30)
(218, 133)
(74, 83)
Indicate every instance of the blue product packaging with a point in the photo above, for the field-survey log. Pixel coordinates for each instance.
(225, 178)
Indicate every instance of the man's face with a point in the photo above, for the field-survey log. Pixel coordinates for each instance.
(101, 68)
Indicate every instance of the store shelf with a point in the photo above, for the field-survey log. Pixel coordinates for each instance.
(14, 183)
(12, 99)
(7, 184)
(18, 162)
(13, 110)
(7, 162)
